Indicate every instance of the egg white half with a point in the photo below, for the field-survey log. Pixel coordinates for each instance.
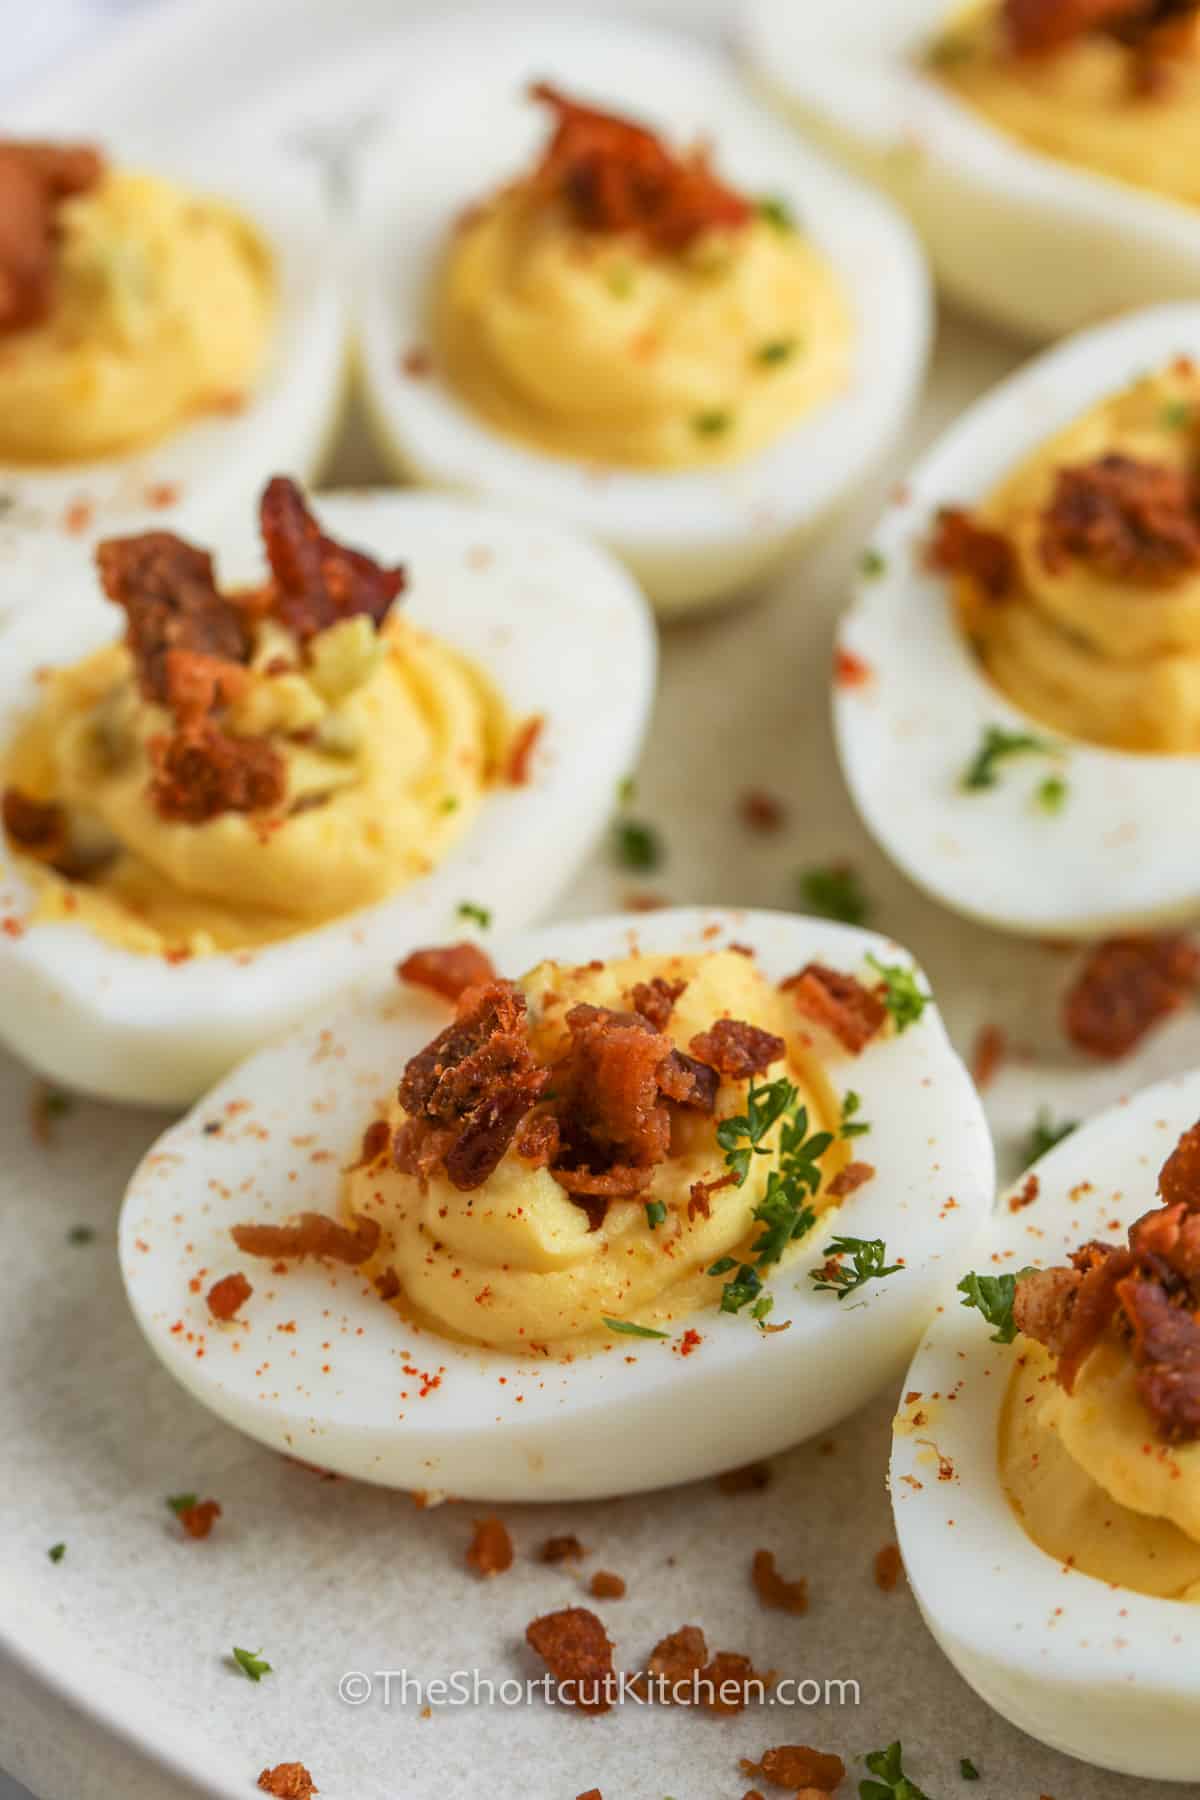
(691, 537)
(1026, 241)
(561, 630)
(201, 472)
(637, 1415)
(1100, 1672)
(1121, 851)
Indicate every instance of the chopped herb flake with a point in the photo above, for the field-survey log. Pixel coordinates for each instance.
(478, 915)
(1178, 415)
(835, 893)
(893, 1783)
(872, 564)
(1051, 794)
(712, 422)
(776, 351)
(450, 803)
(637, 845)
(80, 1234)
(181, 1503)
(851, 1125)
(1045, 1134)
(56, 1552)
(967, 1769)
(783, 1212)
(762, 1307)
(999, 743)
(55, 1104)
(866, 1264)
(627, 1328)
(656, 1212)
(903, 997)
(626, 790)
(777, 212)
(992, 1295)
(251, 1663)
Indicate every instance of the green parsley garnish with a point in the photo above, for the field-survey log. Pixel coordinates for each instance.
(902, 996)
(637, 845)
(893, 1783)
(852, 1126)
(967, 1769)
(626, 790)
(56, 1552)
(835, 893)
(872, 563)
(80, 1234)
(450, 803)
(993, 1296)
(741, 1135)
(776, 351)
(478, 915)
(777, 212)
(998, 743)
(250, 1662)
(181, 1503)
(656, 1212)
(744, 1287)
(1177, 415)
(866, 1264)
(1046, 1134)
(627, 1328)
(712, 422)
(783, 1212)
(762, 1307)
(1051, 794)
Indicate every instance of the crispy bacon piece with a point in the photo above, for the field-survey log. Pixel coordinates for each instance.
(316, 581)
(849, 1179)
(199, 1520)
(961, 547)
(839, 1002)
(674, 1664)
(616, 176)
(566, 1548)
(521, 751)
(312, 1234)
(1130, 521)
(773, 1590)
(614, 1123)
(227, 1296)
(604, 1585)
(797, 1766)
(1040, 27)
(730, 1681)
(888, 1567)
(376, 1141)
(689, 1082)
(288, 1781)
(701, 1192)
(37, 827)
(576, 1649)
(200, 772)
(490, 1551)
(737, 1050)
(1166, 1345)
(1126, 986)
(35, 179)
(1179, 1177)
(655, 1000)
(447, 969)
(538, 1141)
(171, 601)
(199, 684)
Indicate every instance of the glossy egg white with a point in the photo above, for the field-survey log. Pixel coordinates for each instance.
(1026, 241)
(692, 537)
(344, 1389)
(561, 630)
(1100, 1672)
(200, 473)
(1114, 857)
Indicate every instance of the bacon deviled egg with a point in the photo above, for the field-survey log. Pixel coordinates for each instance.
(1047, 150)
(619, 294)
(169, 327)
(1017, 681)
(679, 1194)
(258, 777)
(1045, 1473)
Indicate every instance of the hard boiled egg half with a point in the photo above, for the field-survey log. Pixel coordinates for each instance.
(1038, 1529)
(1039, 244)
(664, 1385)
(200, 275)
(608, 388)
(564, 643)
(982, 793)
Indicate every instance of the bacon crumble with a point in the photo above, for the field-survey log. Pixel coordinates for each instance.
(447, 970)
(1129, 520)
(311, 1234)
(1042, 27)
(490, 1551)
(1126, 986)
(773, 1590)
(849, 1179)
(853, 1013)
(578, 1653)
(564, 1548)
(959, 546)
(36, 827)
(288, 1781)
(604, 1585)
(226, 1297)
(198, 1521)
(318, 582)
(736, 1050)
(797, 1766)
(35, 179)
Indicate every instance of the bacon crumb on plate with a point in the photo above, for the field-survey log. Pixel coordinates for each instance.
(991, 1048)
(578, 1653)
(773, 1590)
(565, 1548)
(288, 1781)
(447, 969)
(888, 1567)
(227, 1296)
(1126, 986)
(198, 1520)
(490, 1551)
(797, 1766)
(604, 1585)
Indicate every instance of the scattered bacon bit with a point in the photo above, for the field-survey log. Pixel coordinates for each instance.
(35, 178)
(576, 1649)
(36, 827)
(538, 1140)
(416, 362)
(317, 581)
(616, 176)
(797, 1766)
(1179, 1178)
(447, 969)
(655, 1000)
(701, 1192)
(961, 547)
(288, 1781)
(490, 1551)
(689, 1082)
(751, 1478)
(773, 1590)
(674, 1663)
(850, 670)
(615, 1125)
(387, 1285)
(227, 1296)
(849, 1179)
(839, 1002)
(737, 1050)
(991, 1047)
(520, 754)
(1028, 1193)
(604, 1585)
(762, 811)
(199, 1520)
(376, 1139)
(1131, 521)
(565, 1548)
(642, 900)
(312, 1234)
(592, 1794)
(1126, 986)
(170, 597)
(729, 1670)
(201, 772)
(889, 1566)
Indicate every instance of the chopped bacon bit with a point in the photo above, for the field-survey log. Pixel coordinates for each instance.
(889, 1566)
(592, 1794)
(1041, 27)
(1126, 986)
(490, 1551)
(520, 754)
(991, 1047)
(416, 362)
(615, 1124)
(762, 811)
(169, 593)
(198, 1520)
(797, 1766)
(447, 969)
(387, 1285)
(616, 176)
(576, 1649)
(849, 1179)
(317, 581)
(1130, 521)
(729, 1670)
(39, 828)
(1028, 1193)
(655, 1000)
(673, 1665)
(376, 1140)
(312, 1234)
(604, 1585)
(701, 1192)
(750, 1479)
(737, 1050)
(839, 1002)
(35, 178)
(850, 670)
(566, 1548)
(642, 900)
(538, 1141)
(773, 1590)
(1179, 1178)
(1166, 1346)
(227, 1296)
(201, 772)
(689, 1082)
(288, 1781)
(961, 547)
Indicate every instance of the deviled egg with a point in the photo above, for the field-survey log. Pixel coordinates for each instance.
(1017, 680)
(1045, 1473)
(622, 296)
(163, 337)
(1046, 151)
(529, 1238)
(248, 786)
